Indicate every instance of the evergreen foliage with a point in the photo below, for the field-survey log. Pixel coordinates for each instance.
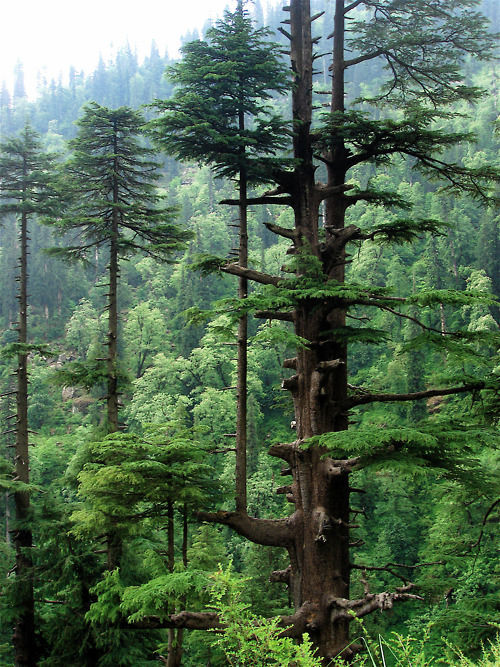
(427, 467)
(221, 80)
(111, 178)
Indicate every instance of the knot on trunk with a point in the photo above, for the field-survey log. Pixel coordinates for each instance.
(281, 576)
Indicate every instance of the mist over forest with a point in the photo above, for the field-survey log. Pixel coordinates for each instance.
(249, 365)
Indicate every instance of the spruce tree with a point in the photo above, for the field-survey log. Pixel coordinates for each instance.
(421, 46)
(27, 190)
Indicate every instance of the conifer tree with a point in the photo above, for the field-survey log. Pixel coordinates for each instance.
(421, 45)
(27, 190)
(218, 117)
(115, 204)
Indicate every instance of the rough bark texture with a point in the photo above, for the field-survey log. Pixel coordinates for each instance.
(24, 631)
(112, 396)
(114, 542)
(242, 363)
(319, 554)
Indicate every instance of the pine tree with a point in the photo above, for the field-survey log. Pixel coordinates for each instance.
(27, 190)
(421, 45)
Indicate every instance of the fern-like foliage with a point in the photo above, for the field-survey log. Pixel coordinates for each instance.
(155, 597)
(129, 478)
(442, 446)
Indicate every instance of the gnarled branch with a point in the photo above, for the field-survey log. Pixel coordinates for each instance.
(341, 607)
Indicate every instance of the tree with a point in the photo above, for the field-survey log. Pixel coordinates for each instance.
(421, 45)
(218, 117)
(27, 190)
(19, 88)
(145, 481)
(115, 204)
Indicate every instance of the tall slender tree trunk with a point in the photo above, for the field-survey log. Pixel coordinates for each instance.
(112, 396)
(24, 631)
(112, 380)
(114, 542)
(242, 362)
(175, 636)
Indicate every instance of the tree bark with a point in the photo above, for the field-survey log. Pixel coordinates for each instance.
(242, 361)
(319, 554)
(112, 396)
(24, 632)
(114, 542)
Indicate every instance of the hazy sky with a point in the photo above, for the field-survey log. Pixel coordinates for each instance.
(51, 35)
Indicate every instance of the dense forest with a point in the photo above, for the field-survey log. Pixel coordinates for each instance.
(249, 346)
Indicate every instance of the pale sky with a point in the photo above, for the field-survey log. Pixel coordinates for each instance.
(51, 35)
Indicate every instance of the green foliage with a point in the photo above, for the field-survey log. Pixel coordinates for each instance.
(143, 333)
(13, 350)
(397, 650)
(411, 517)
(438, 445)
(222, 81)
(111, 179)
(130, 478)
(249, 639)
(87, 374)
(27, 176)
(421, 60)
(160, 594)
(109, 592)
(452, 297)
(402, 230)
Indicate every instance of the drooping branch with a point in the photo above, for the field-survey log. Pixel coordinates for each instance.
(389, 567)
(415, 396)
(477, 543)
(268, 532)
(413, 319)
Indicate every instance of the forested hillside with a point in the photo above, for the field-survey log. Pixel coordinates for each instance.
(343, 319)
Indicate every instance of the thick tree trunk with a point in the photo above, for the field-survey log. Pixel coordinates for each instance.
(320, 491)
(24, 631)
